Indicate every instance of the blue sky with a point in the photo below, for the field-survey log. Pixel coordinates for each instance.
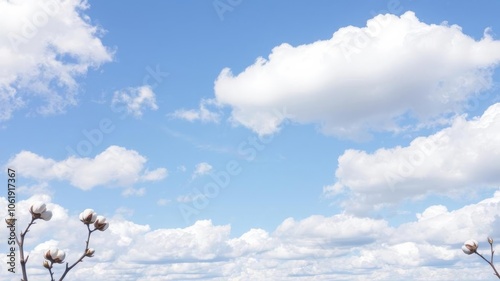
(255, 127)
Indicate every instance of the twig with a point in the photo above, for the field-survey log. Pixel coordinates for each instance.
(490, 262)
(50, 271)
(68, 268)
(21, 249)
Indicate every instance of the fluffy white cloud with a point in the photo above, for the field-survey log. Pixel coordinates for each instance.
(114, 166)
(365, 79)
(202, 114)
(360, 248)
(45, 46)
(201, 241)
(253, 241)
(340, 231)
(134, 100)
(457, 159)
(437, 225)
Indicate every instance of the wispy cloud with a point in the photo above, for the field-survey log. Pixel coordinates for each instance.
(163, 202)
(135, 100)
(154, 175)
(202, 114)
(130, 191)
(188, 198)
(197, 144)
(201, 169)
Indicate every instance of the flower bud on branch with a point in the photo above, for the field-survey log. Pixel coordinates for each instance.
(100, 223)
(89, 252)
(39, 211)
(88, 216)
(46, 216)
(10, 221)
(55, 255)
(470, 246)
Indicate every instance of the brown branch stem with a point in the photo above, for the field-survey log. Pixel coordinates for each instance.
(23, 261)
(50, 271)
(68, 268)
(490, 262)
